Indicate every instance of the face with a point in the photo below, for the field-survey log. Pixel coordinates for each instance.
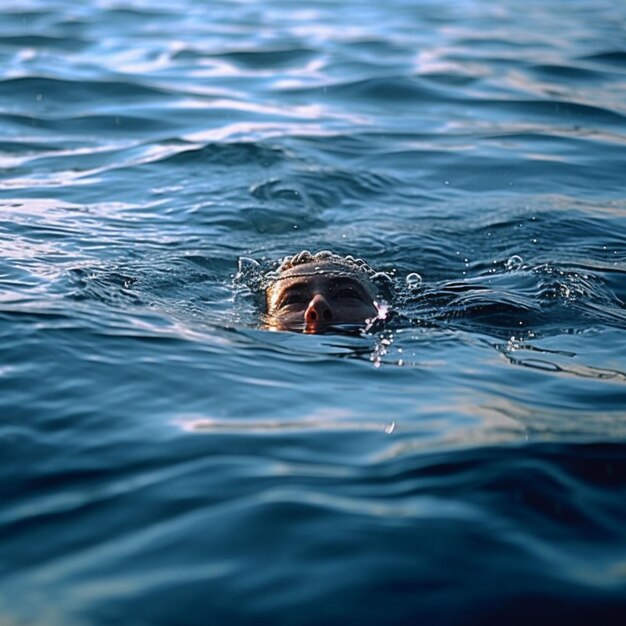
(312, 303)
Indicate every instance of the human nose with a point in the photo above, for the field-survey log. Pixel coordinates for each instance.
(318, 310)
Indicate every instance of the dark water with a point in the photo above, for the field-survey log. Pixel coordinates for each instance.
(167, 462)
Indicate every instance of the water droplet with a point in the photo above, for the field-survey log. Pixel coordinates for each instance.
(514, 263)
(271, 276)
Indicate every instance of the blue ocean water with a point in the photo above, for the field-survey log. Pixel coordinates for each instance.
(166, 460)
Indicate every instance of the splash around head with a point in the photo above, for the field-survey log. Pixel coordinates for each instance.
(322, 292)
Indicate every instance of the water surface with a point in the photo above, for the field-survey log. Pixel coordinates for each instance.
(166, 460)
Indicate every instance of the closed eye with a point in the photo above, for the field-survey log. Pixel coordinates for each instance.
(348, 293)
(293, 297)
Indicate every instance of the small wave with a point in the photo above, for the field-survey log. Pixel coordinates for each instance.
(399, 89)
(557, 111)
(174, 287)
(250, 427)
(527, 355)
(107, 286)
(570, 73)
(70, 93)
(123, 124)
(324, 188)
(611, 57)
(68, 44)
(260, 58)
(229, 154)
(542, 299)
(274, 221)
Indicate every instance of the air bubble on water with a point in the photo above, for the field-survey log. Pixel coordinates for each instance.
(514, 263)
(413, 281)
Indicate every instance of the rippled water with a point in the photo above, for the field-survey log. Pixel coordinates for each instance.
(168, 462)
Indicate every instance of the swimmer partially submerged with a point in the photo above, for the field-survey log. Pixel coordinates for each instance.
(315, 293)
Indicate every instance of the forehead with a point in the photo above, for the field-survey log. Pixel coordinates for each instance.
(313, 281)
(319, 268)
(319, 276)
(323, 273)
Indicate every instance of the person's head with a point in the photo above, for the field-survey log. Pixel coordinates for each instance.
(314, 292)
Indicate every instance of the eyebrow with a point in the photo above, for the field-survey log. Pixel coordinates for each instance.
(303, 284)
(283, 293)
(336, 284)
(347, 281)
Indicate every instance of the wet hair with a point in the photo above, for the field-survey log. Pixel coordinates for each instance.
(325, 256)
(336, 264)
